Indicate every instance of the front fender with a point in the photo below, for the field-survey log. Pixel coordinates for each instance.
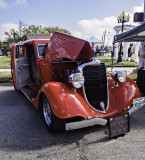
(122, 96)
(64, 101)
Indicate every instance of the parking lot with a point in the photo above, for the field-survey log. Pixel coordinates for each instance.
(23, 135)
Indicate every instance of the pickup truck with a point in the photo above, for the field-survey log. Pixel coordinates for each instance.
(60, 77)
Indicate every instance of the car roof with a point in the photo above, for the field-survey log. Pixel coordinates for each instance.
(36, 41)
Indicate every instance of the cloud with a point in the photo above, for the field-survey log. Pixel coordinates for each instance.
(138, 8)
(3, 4)
(24, 2)
(96, 27)
(6, 28)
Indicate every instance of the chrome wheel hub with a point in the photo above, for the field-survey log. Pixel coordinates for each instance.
(47, 112)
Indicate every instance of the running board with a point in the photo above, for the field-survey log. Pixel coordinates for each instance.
(29, 93)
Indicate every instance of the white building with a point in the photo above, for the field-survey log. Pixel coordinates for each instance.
(126, 45)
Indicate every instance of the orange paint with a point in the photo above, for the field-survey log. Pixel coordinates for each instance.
(65, 102)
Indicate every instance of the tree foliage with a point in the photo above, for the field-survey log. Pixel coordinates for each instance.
(23, 30)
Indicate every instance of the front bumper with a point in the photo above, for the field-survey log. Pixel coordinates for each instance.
(136, 103)
(139, 102)
(100, 121)
(85, 123)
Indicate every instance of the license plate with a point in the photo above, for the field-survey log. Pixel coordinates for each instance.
(118, 125)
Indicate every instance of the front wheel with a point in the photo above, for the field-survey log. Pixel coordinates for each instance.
(53, 123)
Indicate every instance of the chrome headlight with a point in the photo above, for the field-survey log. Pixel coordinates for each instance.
(77, 80)
(119, 75)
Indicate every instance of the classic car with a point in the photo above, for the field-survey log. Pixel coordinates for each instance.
(60, 77)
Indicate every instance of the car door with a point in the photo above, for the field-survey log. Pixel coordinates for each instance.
(21, 67)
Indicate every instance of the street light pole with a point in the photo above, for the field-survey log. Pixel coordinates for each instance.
(122, 19)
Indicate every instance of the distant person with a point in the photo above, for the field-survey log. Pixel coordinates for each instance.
(142, 56)
(97, 50)
(102, 50)
(93, 49)
(122, 51)
(0, 53)
(129, 51)
(105, 50)
(108, 50)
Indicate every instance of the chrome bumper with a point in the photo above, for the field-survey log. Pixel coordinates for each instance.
(138, 102)
(85, 123)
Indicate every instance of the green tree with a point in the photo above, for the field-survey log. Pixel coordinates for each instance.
(5, 47)
(23, 30)
(52, 29)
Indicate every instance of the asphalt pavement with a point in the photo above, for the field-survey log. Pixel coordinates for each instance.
(23, 135)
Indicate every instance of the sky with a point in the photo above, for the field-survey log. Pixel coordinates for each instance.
(83, 18)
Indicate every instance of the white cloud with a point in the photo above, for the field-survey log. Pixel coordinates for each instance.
(6, 28)
(3, 4)
(24, 2)
(77, 34)
(138, 8)
(96, 27)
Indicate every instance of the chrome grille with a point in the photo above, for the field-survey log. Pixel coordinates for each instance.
(95, 86)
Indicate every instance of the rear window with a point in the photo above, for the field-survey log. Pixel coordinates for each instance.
(41, 50)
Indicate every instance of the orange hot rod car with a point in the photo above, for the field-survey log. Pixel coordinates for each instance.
(60, 77)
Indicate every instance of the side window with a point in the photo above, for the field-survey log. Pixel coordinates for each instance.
(19, 51)
(41, 50)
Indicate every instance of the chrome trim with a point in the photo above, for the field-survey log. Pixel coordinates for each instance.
(118, 73)
(85, 123)
(47, 112)
(72, 80)
(94, 62)
(25, 95)
(138, 102)
(127, 109)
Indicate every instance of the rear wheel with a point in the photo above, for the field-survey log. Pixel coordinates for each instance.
(52, 122)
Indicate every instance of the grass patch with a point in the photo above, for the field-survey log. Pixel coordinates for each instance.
(108, 74)
(132, 76)
(5, 62)
(5, 77)
(107, 60)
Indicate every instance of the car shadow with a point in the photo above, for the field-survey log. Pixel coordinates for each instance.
(22, 127)
(137, 118)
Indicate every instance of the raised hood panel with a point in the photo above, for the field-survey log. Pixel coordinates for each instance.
(64, 46)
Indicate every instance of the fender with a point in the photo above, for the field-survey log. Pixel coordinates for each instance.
(122, 96)
(64, 101)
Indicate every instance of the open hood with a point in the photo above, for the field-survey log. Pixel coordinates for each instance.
(134, 35)
(65, 46)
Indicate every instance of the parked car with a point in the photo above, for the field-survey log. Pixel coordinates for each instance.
(73, 91)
